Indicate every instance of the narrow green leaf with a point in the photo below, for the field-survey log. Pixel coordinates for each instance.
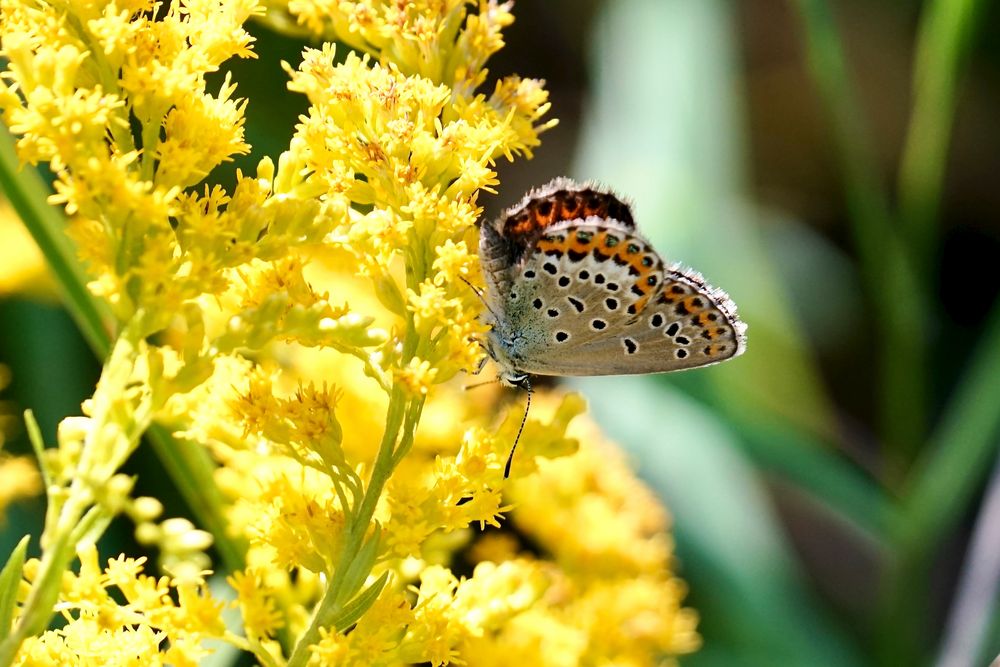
(944, 484)
(360, 567)
(356, 608)
(10, 580)
(38, 444)
(947, 29)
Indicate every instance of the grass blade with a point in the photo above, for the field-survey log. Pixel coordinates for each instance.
(10, 581)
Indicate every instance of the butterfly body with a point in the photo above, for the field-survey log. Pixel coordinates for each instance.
(574, 289)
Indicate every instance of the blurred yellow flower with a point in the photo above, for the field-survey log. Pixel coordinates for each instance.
(24, 269)
(19, 478)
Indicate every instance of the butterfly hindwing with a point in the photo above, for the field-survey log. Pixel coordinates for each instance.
(688, 324)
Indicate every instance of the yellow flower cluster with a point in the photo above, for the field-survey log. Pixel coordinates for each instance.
(118, 615)
(75, 78)
(302, 330)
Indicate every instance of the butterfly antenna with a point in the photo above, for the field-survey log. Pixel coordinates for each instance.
(510, 458)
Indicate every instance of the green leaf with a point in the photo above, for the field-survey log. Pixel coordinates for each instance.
(942, 486)
(10, 581)
(357, 607)
(360, 567)
(947, 29)
(38, 444)
(886, 264)
(389, 295)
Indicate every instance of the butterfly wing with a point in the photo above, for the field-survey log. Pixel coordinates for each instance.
(594, 298)
(507, 242)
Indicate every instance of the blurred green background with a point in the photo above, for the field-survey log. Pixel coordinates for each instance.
(833, 166)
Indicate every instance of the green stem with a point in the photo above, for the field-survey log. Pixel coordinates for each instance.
(191, 471)
(944, 484)
(328, 606)
(946, 31)
(37, 609)
(28, 194)
(899, 304)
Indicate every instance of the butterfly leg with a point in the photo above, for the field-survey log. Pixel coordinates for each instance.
(482, 362)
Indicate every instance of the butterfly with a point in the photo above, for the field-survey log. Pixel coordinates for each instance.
(572, 288)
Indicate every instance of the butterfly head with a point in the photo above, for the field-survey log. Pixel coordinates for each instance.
(498, 345)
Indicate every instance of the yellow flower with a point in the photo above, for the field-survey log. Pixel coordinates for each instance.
(148, 627)
(19, 478)
(24, 270)
(261, 616)
(303, 328)
(416, 377)
(373, 641)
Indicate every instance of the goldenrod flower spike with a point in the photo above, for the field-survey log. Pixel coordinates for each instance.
(301, 330)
